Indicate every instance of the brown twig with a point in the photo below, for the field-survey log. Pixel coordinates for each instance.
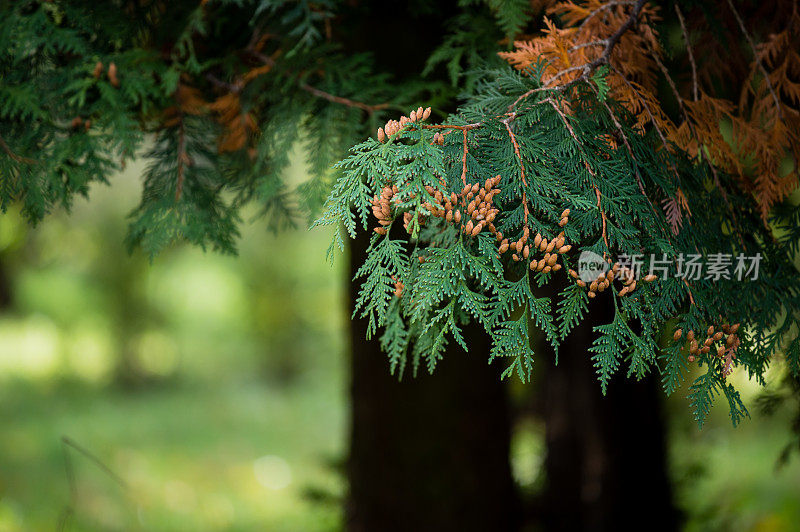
(464, 159)
(588, 68)
(756, 58)
(10, 153)
(521, 169)
(689, 50)
(603, 7)
(611, 42)
(343, 101)
(267, 60)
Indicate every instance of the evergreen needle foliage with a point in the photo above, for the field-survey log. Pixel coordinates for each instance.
(582, 132)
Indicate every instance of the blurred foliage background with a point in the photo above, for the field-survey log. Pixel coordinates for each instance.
(208, 392)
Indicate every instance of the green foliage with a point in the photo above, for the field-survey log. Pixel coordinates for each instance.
(216, 96)
(556, 160)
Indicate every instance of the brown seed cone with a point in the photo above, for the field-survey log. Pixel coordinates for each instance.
(537, 240)
(708, 341)
(550, 246)
(730, 340)
(76, 122)
(734, 328)
(710, 330)
(720, 351)
(705, 349)
(449, 216)
(581, 283)
(112, 75)
(515, 257)
(526, 251)
(649, 278)
(553, 259)
(457, 217)
(381, 135)
(609, 276)
(691, 358)
(690, 335)
(542, 263)
(380, 230)
(468, 227)
(556, 267)
(693, 347)
(503, 248)
(477, 229)
(677, 335)
(98, 70)
(593, 286)
(547, 269)
(564, 249)
(563, 222)
(591, 294)
(572, 273)
(543, 244)
(565, 214)
(718, 336)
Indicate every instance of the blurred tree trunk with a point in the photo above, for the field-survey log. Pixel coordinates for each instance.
(432, 452)
(606, 463)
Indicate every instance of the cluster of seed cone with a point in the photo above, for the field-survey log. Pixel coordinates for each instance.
(724, 350)
(381, 208)
(604, 280)
(474, 204)
(112, 73)
(438, 138)
(77, 122)
(474, 207)
(524, 248)
(393, 126)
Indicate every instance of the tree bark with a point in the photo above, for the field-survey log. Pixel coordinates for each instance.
(606, 461)
(432, 452)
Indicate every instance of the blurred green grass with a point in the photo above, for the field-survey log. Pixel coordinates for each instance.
(235, 418)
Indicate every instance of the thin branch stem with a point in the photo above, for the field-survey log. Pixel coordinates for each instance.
(267, 60)
(10, 153)
(464, 159)
(689, 50)
(756, 58)
(514, 143)
(571, 131)
(343, 101)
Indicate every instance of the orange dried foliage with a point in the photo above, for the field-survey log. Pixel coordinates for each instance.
(765, 124)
